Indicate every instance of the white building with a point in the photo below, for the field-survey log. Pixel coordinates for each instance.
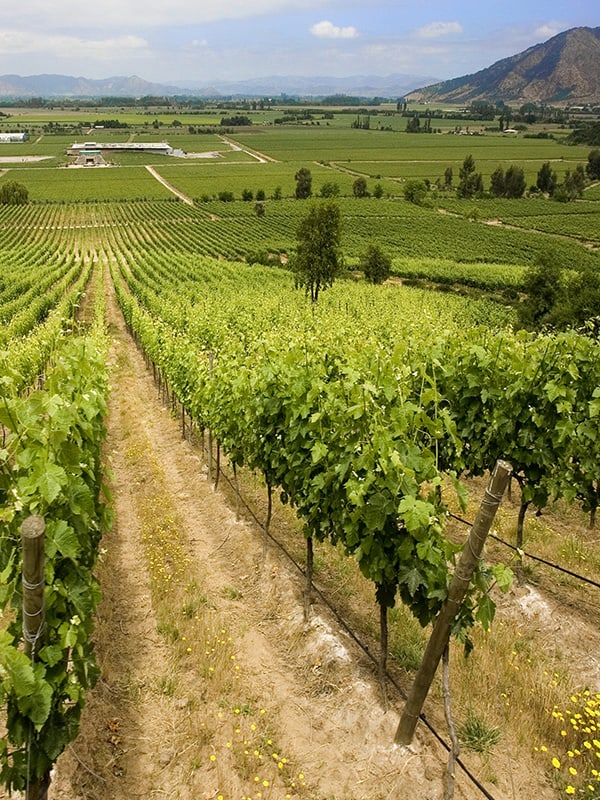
(14, 136)
(161, 148)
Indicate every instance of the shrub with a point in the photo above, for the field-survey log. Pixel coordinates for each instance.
(13, 194)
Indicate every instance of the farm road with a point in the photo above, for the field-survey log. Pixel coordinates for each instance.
(168, 186)
(260, 157)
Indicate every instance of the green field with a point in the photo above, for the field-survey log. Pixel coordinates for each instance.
(483, 242)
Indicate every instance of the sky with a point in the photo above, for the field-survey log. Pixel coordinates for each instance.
(211, 40)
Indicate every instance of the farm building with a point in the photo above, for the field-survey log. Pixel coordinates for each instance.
(90, 158)
(15, 136)
(160, 148)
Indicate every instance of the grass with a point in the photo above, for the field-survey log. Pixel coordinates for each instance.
(478, 735)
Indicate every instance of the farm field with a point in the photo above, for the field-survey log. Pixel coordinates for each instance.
(212, 684)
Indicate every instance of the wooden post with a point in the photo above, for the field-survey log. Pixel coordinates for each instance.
(238, 496)
(33, 538)
(440, 635)
(211, 359)
(383, 652)
(218, 468)
(268, 520)
(32, 533)
(310, 560)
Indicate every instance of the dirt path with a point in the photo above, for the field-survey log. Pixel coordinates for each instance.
(168, 186)
(262, 158)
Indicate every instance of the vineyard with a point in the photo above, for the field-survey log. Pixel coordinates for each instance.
(353, 438)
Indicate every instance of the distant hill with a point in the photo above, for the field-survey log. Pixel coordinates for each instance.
(67, 86)
(564, 69)
(368, 86)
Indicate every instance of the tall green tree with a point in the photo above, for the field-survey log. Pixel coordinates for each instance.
(415, 191)
(359, 187)
(543, 287)
(546, 179)
(593, 165)
(572, 186)
(303, 180)
(318, 260)
(376, 264)
(498, 182)
(470, 182)
(514, 182)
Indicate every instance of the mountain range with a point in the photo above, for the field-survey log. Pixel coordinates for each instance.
(368, 86)
(564, 69)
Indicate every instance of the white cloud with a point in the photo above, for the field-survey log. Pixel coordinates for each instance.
(327, 30)
(146, 13)
(549, 29)
(436, 29)
(14, 41)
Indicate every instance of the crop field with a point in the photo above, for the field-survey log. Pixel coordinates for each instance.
(345, 145)
(85, 185)
(205, 179)
(353, 436)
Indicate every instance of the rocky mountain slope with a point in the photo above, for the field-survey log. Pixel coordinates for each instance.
(564, 69)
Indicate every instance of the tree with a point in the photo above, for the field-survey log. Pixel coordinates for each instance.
(378, 191)
(593, 165)
(303, 180)
(13, 194)
(318, 259)
(572, 186)
(415, 191)
(359, 187)
(330, 189)
(514, 182)
(414, 124)
(470, 182)
(588, 134)
(247, 195)
(498, 182)
(376, 264)
(546, 179)
(542, 285)
(448, 175)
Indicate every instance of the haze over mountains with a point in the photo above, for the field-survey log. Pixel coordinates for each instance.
(564, 69)
(70, 87)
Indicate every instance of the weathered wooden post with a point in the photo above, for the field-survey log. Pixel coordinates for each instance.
(32, 534)
(33, 538)
(440, 635)
(211, 361)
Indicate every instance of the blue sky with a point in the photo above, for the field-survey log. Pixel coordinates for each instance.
(209, 40)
